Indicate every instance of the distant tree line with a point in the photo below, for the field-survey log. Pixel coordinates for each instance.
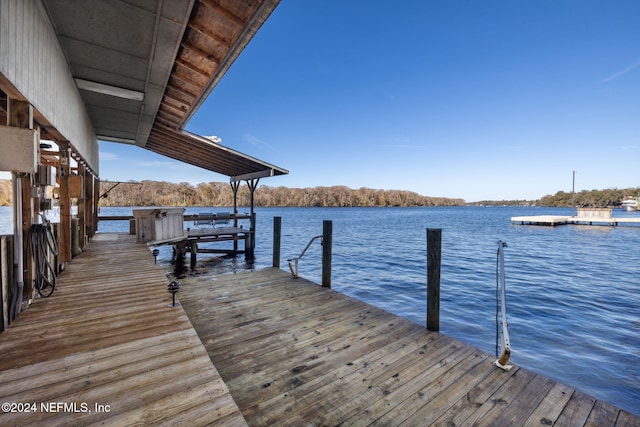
(155, 193)
(504, 203)
(6, 193)
(611, 197)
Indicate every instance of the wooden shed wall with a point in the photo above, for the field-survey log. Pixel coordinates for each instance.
(33, 61)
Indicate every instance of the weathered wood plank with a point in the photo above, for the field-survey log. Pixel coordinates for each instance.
(625, 419)
(431, 402)
(550, 407)
(503, 398)
(474, 398)
(313, 387)
(527, 401)
(401, 386)
(602, 414)
(577, 410)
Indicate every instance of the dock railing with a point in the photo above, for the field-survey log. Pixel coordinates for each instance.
(326, 242)
(294, 269)
(434, 255)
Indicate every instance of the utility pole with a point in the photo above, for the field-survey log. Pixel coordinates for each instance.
(573, 193)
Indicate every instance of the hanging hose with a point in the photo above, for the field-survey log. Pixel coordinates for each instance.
(501, 303)
(43, 245)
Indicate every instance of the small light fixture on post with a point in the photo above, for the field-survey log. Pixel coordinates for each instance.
(173, 288)
(155, 253)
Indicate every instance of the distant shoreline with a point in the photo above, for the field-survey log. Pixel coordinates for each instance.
(160, 193)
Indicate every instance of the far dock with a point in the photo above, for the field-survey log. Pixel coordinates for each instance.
(585, 216)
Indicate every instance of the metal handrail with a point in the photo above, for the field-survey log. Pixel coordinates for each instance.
(295, 274)
(501, 296)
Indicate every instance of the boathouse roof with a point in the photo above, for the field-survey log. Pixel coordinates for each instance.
(143, 67)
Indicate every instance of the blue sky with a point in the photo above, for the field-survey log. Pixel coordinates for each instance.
(468, 99)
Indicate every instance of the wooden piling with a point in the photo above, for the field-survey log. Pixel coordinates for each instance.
(277, 233)
(194, 254)
(434, 250)
(20, 114)
(327, 232)
(250, 241)
(6, 277)
(64, 243)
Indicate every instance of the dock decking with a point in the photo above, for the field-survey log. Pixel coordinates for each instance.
(286, 352)
(106, 337)
(294, 353)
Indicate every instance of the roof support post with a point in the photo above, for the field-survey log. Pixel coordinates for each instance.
(234, 186)
(88, 204)
(82, 207)
(252, 184)
(20, 114)
(95, 201)
(64, 243)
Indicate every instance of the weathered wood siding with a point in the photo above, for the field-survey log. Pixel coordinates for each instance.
(32, 60)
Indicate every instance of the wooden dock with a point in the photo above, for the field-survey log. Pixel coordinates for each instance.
(107, 346)
(286, 352)
(294, 353)
(553, 220)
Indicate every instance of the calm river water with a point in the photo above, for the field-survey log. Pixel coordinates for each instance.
(573, 292)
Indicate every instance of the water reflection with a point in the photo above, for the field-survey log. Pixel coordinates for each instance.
(206, 265)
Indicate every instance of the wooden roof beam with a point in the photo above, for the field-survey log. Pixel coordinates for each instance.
(220, 10)
(190, 66)
(184, 80)
(262, 174)
(165, 122)
(200, 28)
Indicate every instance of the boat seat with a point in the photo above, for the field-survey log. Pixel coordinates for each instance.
(204, 218)
(222, 218)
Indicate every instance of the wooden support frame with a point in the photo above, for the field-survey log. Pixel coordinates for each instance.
(20, 114)
(235, 185)
(251, 241)
(64, 243)
(82, 207)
